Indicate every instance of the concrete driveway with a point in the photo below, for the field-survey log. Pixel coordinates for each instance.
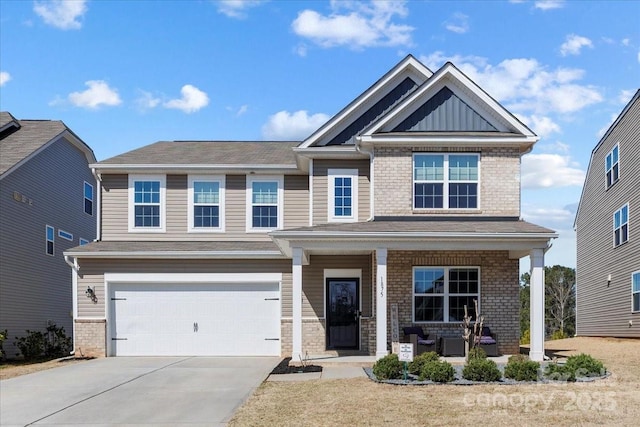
(157, 391)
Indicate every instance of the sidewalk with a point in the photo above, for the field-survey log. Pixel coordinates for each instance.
(328, 373)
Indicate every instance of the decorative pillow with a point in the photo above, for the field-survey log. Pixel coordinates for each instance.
(486, 332)
(426, 342)
(487, 340)
(411, 330)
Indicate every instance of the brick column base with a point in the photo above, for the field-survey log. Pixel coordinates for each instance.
(91, 336)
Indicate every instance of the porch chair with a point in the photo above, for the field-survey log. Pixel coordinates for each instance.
(488, 341)
(421, 342)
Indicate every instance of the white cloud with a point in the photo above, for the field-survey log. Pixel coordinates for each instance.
(292, 126)
(98, 94)
(639, 56)
(359, 25)
(523, 84)
(146, 101)
(625, 42)
(550, 170)
(458, 23)
(192, 100)
(625, 96)
(62, 14)
(573, 45)
(543, 126)
(237, 8)
(4, 77)
(549, 4)
(554, 217)
(606, 127)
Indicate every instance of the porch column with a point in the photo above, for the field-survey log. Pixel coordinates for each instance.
(381, 303)
(296, 352)
(536, 319)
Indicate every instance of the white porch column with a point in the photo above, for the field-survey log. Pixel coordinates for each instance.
(536, 319)
(381, 303)
(296, 352)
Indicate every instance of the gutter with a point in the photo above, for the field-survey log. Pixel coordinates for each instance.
(98, 178)
(181, 254)
(74, 297)
(371, 177)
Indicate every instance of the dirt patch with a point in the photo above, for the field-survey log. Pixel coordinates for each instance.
(284, 368)
(15, 368)
(359, 401)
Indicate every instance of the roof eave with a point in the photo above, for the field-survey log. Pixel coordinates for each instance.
(178, 254)
(186, 168)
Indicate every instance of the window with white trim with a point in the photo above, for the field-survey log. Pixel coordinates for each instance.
(206, 203)
(635, 291)
(83, 241)
(621, 226)
(50, 235)
(88, 198)
(612, 167)
(65, 235)
(445, 181)
(342, 195)
(440, 293)
(147, 203)
(264, 203)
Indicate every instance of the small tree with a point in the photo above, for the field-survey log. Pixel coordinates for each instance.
(467, 326)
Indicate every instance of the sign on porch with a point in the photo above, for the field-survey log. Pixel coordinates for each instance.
(395, 329)
(406, 352)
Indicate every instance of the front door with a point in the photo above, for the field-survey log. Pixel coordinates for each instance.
(343, 314)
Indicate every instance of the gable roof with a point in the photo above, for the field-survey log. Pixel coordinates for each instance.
(22, 139)
(194, 155)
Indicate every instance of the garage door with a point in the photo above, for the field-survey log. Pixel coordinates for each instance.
(239, 319)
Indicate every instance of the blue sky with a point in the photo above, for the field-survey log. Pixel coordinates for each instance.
(123, 74)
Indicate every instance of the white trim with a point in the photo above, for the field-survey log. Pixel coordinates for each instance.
(220, 179)
(192, 277)
(85, 198)
(632, 292)
(65, 235)
(332, 174)
(381, 291)
(626, 205)
(249, 205)
(310, 192)
(46, 240)
(162, 179)
(536, 305)
(610, 153)
(340, 273)
(181, 254)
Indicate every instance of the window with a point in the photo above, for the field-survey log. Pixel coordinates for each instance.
(147, 203)
(343, 195)
(206, 203)
(50, 236)
(445, 181)
(264, 203)
(621, 226)
(88, 198)
(83, 242)
(613, 166)
(65, 235)
(635, 291)
(440, 293)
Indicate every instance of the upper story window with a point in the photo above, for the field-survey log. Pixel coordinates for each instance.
(635, 291)
(621, 226)
(147, 203)
(264, 203)
(50, 236)
(342, 195)
(613, 166)
(440, 293)
(206, 203)
(65, 235)
(88, 198)
(445, 181)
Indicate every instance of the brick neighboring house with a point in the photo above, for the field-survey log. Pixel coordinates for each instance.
(608, 247)
(46, 207)
(408, 197)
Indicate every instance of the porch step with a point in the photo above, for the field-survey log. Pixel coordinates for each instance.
(361, 360)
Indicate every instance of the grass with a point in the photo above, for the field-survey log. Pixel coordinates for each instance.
(15, 368)
(613, 401)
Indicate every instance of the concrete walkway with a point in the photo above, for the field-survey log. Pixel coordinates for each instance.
(159, 391)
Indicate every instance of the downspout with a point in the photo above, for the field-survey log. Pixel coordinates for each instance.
(74, 297)
(371, 177)
(98, 202)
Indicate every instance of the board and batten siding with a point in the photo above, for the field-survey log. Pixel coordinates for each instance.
(115, 209)
(604, 309)
(36, 287)
(321, 187)
(92, 272)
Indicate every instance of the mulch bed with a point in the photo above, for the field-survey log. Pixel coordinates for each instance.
(284, 368)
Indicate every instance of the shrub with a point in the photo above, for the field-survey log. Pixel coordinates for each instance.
(581, 365)
(388, 368)
(31, 346)
(526, 337)
(438, 371)
(554, 371)
(521, 369)
(50, 344)
(476, 353)
(558, 335)
(420, 360)
(3, 337)
(481, 370)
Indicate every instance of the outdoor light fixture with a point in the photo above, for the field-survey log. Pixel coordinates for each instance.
(608, 281)
(91, 294)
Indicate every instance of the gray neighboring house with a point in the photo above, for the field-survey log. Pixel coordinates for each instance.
(47, 205)
(608, 263)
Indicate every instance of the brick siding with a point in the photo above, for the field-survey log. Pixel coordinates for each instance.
(90, 338)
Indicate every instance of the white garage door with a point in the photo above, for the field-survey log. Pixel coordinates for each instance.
(239, 319)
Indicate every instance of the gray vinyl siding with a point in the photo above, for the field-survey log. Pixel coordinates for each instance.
(92, 274)
(321, 188)
(115, 209)
(606, 310)
(36, 287)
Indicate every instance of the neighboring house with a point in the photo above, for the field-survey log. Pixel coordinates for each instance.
(608, 262)
(409, 197)
(47, 206)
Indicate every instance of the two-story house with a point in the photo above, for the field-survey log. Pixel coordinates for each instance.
(408, 199)
(47, 205)
(608, 249)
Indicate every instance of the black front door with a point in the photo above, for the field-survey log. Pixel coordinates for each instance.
(343, 313)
